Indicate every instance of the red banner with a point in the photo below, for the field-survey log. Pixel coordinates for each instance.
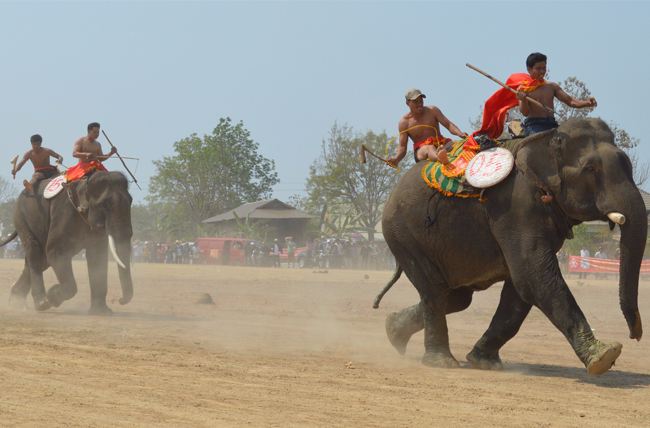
(592, 264)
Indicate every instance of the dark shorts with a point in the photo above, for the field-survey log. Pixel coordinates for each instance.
(533, 125)
(46, 173)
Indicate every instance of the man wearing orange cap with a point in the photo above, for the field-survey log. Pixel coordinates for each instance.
(422, 125)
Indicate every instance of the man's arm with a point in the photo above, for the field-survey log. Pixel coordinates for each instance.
(442, 119)
(54, 154)
(573, 102)
(21, 163)
(403, 144)
(102, 158)
(524, 104)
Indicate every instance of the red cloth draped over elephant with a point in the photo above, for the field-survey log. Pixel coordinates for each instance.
(82, 169)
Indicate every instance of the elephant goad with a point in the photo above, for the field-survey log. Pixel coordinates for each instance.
(53, 231)
(451, 247)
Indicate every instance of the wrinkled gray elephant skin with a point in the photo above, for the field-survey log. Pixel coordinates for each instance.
(452, 247)
(53, 231)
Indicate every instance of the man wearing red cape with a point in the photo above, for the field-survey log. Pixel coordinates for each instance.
(533, 85)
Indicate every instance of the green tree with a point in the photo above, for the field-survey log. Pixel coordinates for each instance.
(209, 175)
(340, 185)
(7, 205)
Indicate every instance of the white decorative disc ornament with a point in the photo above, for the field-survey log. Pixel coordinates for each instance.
(54, 187)
(489, 167)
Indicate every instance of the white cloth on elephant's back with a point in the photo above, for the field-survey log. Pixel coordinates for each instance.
(54, 187)
(489, 167)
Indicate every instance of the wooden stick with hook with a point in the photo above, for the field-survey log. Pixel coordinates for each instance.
(362, 156)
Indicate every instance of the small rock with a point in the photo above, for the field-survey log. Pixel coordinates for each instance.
(349, 365)
(205, 299)
(366, 276)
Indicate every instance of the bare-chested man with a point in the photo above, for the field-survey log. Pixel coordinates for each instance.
(40, 157)
(89, 152)
(422, 125)
(537, 118)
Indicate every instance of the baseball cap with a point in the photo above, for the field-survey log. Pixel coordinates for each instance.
(414, 94)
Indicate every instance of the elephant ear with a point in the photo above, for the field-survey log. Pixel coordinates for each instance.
(538, 158)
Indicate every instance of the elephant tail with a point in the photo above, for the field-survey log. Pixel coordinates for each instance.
(393, 280)
(8, 239)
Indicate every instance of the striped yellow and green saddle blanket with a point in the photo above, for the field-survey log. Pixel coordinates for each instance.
(450, 179)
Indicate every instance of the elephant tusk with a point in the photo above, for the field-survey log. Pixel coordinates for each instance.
(617, 218)
(111, 245)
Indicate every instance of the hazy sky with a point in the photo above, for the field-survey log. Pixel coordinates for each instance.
(155, 72)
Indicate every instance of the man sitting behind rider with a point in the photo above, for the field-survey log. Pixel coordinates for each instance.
(89, 152)
(537, 118)
(422, 125)
(40, 157)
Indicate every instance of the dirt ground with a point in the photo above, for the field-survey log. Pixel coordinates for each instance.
(287, 347)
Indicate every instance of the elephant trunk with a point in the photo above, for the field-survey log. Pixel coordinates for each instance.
(122, 254)
(633, 239)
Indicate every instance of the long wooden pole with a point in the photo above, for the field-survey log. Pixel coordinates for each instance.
(498, 82)
(122, 160)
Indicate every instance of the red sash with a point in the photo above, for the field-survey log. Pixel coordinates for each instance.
(82, 169)
(435, 141)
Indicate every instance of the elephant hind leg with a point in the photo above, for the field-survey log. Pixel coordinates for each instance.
(20, 289)
(67, 286)
(400, 326)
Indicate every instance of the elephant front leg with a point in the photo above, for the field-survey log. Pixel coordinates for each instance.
(97, 261)
(507, 320)
(542, 285)
(67, 286)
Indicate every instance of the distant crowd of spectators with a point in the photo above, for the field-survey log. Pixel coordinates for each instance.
(164, 252)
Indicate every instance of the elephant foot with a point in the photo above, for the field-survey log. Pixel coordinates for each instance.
(57, 295)
(439, 360)
(603, 358)
(17, 301)
(102, 310)
(482, 361)
(54, 295)
(399, 341)
(41, 303)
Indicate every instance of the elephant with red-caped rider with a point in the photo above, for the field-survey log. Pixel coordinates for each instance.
(450, 248)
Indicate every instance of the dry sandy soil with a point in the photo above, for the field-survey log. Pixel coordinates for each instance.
(296, 348)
